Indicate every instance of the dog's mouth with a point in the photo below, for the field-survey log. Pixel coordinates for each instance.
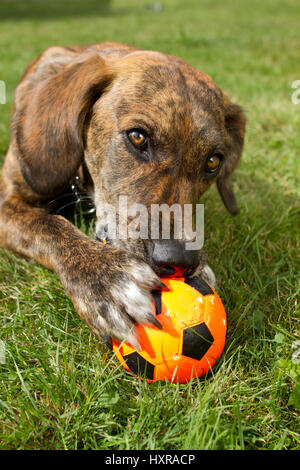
(168, 270)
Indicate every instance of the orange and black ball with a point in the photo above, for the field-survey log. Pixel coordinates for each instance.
(192, 337)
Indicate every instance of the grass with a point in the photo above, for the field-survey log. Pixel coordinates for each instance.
(61, 389)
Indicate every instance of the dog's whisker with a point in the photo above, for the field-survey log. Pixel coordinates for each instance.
(63, 196)
(58, 198)
(71, 203)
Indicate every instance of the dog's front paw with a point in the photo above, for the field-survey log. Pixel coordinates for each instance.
(111, 291)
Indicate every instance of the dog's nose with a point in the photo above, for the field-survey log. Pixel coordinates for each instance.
(168, 255)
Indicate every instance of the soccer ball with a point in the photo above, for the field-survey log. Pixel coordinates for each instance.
(192, 338)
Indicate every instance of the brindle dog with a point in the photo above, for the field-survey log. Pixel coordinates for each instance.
(136, 123)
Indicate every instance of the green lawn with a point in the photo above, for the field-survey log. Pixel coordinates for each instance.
(61, 389)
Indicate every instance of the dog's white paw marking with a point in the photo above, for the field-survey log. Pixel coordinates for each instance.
(142, 273)
(208, 276)
(118, 327)
(138, 303)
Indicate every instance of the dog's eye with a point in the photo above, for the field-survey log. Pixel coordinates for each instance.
(138, 142)
(137, 138)
(213, 163)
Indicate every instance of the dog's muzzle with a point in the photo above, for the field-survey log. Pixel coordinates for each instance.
(171, 255)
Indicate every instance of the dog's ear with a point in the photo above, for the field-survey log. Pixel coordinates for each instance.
(49, 120)
(235, 122)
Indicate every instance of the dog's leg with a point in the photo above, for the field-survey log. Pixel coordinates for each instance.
(111, 289)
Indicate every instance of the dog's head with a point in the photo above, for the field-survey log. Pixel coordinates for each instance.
(151, 130)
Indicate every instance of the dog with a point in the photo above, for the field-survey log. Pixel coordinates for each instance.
(123, 121)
